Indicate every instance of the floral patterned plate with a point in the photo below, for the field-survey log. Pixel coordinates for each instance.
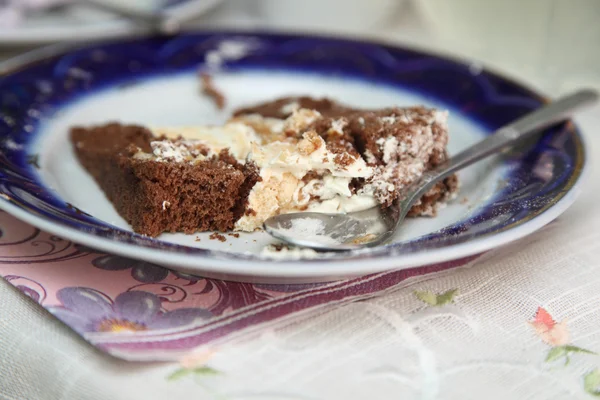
(154, 81)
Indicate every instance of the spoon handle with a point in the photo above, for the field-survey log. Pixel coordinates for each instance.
(543, 117)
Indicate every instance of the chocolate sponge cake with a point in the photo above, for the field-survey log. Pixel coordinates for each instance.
(287, 155)
(157, 197)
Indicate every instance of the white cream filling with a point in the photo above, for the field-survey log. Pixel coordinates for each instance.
(289, 253)
(334, 195)
(235, 136)
(282, 167)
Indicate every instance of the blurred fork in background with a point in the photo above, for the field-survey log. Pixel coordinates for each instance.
(162, 16)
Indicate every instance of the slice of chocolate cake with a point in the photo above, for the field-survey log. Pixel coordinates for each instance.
(288, 155)
(163, 194)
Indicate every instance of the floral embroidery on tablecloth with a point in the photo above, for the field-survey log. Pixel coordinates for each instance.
(591, 382)
(436, 300)
(194, 365)
(194, 362)
(555, 334)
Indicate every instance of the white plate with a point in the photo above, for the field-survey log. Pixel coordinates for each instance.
(500, 200)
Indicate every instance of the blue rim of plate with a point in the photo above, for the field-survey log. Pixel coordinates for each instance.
(32, 89)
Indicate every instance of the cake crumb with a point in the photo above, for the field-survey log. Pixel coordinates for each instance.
(235, 235)
(300, 120)
(217, 236)
(464, 200)
(209, 89)
(197, 239)
(310, 143)
(369, 237)
(289, 108)
(337, 126)
(285, 252)
(389, 119)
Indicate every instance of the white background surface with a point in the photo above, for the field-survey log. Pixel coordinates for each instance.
(389, 347)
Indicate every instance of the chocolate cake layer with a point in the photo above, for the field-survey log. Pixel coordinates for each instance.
(284, 107)
(155, 197)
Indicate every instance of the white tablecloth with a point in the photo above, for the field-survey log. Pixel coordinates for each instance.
(482, 344)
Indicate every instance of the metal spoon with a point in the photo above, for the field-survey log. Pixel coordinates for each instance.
(374, 226)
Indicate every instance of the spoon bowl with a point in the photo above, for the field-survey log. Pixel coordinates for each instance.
(333, 232)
